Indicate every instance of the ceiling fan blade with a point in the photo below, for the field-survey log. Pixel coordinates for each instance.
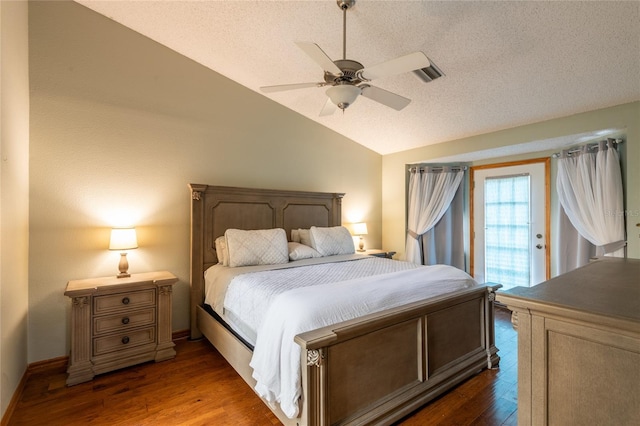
(328, 108)
(283, 87)
(385, 97)
(410, 62)
(319, 57)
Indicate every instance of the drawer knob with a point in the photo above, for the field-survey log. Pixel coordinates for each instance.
(125, 320)
(125, 300)
(125, 340)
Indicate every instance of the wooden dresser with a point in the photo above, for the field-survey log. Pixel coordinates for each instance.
(579, 346)
(118, 322)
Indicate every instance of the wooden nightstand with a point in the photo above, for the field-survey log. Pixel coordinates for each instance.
(378, 253)
(118, 322)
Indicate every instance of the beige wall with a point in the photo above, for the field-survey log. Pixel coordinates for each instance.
(14, 196)
(619, 117)
(120, 125)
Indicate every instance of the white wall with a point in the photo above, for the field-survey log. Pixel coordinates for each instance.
(14, 196)
(120, 125)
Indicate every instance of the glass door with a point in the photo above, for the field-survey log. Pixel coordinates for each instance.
(510, 237)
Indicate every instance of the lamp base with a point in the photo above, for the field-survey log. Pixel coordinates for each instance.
(123, 266)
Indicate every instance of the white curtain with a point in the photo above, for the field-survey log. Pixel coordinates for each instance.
(430, 194)
(589, 188)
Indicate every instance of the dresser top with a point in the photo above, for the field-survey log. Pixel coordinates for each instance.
(94, 285)
(607, 286)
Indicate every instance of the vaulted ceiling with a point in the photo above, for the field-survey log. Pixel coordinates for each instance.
(506, 63)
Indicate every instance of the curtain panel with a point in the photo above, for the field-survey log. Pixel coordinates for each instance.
(431, 190)
(572, 250)
(444, 244)
(589, 186)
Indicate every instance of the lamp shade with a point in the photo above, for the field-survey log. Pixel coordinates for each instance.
(360, 228)
(343, 95)
(123, 239)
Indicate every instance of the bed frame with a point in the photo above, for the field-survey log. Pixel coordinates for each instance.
(374, 369)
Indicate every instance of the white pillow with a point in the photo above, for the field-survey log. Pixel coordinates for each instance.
(295, 236)
(331, 241)
(299, 251)
(305, 238)
(257, 247)
(221, 251)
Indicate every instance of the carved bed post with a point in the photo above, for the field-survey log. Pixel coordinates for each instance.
(337, 209)
(197, 257)
(490, 337)
(316, 390)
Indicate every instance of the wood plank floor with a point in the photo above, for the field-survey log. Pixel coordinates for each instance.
(198, 387)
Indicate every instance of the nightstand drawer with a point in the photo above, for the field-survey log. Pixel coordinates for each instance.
(123, 321)
(122, 341)
(123, 301)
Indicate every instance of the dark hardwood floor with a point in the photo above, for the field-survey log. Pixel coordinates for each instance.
(198, 387)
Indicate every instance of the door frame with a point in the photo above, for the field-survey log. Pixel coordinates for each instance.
(547, 207)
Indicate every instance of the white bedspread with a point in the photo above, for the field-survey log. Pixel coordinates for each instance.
(248, 296)
(218, 278)
(276, 357)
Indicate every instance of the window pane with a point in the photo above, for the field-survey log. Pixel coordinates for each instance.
(507, 245)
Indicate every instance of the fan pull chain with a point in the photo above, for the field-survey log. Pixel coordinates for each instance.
(344, 32)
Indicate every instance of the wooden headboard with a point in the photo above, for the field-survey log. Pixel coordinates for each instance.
(214, 209)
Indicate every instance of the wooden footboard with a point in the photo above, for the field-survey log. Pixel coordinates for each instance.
(379, 368)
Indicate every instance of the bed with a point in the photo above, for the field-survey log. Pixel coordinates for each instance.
(370, 369)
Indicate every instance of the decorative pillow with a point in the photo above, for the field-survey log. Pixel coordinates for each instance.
(257, 247)
(305, 238)
(295, 236)
(331, 241)
(299, 251)
(221, 251)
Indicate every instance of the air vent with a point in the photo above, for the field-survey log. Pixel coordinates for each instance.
(429, 73)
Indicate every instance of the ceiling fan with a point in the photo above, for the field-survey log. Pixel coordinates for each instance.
(349, 78)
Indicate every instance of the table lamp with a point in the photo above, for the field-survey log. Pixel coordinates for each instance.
(123, 239)
(360, 229)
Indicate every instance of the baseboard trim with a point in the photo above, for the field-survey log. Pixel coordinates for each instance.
(181, 334)
(14, 399)
(47, 364)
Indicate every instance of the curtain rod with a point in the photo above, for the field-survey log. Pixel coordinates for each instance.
(435, 168)
(590, 145)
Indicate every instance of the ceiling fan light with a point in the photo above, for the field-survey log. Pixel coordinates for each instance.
(343, 95)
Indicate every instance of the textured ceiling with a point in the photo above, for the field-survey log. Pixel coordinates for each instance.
(507, 63)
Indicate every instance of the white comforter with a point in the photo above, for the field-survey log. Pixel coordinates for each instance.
(276, 357)
(248, 296)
